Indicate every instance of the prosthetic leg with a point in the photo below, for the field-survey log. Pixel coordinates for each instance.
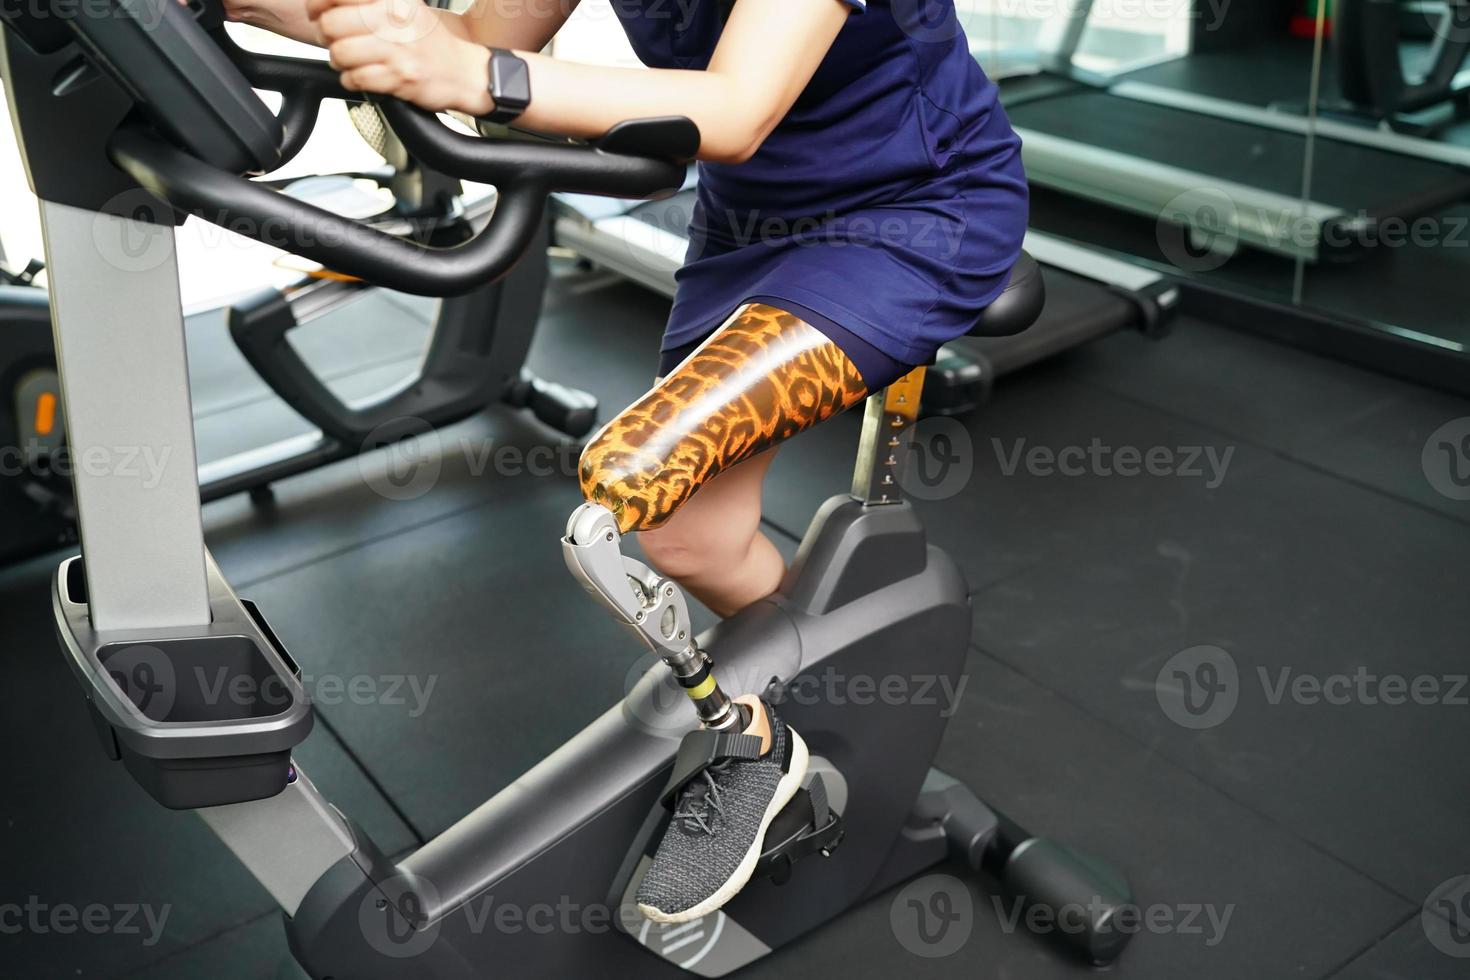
(763, 378)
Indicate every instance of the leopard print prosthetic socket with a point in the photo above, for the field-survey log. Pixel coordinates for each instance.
(764, 377)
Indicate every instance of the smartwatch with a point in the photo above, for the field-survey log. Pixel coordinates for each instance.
(510, 86)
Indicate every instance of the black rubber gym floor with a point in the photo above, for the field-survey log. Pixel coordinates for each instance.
(1322, 549)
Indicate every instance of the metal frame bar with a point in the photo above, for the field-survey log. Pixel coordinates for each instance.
(1148, 189)
(1064, 37)
(287, 841)
(119, 331)
(120, 342)
(1378, 139)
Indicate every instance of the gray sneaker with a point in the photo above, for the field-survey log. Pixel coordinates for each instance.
(714, 839)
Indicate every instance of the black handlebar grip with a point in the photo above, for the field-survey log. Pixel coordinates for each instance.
(580, 169)
(346, 246)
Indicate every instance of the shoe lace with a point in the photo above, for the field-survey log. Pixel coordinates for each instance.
(700, 799)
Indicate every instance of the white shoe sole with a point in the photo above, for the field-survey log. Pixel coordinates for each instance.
(785, 790)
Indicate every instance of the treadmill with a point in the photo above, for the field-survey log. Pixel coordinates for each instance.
(1151, 151)
(1089, 295)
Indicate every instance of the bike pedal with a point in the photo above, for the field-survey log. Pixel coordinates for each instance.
(804, 827)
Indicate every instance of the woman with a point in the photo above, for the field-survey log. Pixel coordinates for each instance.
(861, 200)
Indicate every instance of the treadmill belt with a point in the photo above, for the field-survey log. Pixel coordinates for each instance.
(1348, 176)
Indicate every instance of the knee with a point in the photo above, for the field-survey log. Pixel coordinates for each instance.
(683, 550)
(676, 551)
(628, 482)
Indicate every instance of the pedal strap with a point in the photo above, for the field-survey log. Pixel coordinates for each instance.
(700, 750)
(821, 808)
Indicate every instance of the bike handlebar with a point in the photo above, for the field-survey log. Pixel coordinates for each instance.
(640, 158)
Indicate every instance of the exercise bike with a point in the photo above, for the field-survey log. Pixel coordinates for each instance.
(35, 500)
(145, 616)
(1376, 86)
(475, 357)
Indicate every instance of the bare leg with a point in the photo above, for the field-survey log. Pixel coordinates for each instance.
(714, 546)
(685, 463)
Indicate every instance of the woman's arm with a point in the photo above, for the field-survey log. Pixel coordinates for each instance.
(485, 23)
(768, 53)
(528, 25)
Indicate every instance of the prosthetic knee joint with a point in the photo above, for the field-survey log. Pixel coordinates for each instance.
(654, 607)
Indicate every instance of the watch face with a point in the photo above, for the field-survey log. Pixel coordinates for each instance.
(512, 89)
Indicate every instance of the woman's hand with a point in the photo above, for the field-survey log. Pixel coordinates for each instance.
(288, 18)
(406, 49)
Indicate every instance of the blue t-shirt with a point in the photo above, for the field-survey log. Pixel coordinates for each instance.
(899, 119)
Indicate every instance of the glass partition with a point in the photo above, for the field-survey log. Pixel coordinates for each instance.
(1171, 132)
(1394, 79)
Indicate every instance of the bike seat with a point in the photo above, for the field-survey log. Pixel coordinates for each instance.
(1018, 306)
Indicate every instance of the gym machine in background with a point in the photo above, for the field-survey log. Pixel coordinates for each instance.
(1369, 40)
(36, 510)
(474, 359)
(1149, 149)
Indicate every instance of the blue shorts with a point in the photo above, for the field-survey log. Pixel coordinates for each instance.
(890, 283)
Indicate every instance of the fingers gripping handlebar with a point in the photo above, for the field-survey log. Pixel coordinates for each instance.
(641, 158)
